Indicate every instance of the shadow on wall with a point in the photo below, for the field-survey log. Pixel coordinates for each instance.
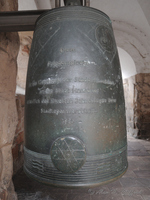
(17, 147)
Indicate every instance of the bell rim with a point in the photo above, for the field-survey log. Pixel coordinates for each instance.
(73, 186)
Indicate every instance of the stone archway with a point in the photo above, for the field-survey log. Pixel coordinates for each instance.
(128, 72)
(137, 44)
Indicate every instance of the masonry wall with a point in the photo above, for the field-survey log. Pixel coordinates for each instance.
(142, 104)
(9, 46)
(129, 103)
(137, 98)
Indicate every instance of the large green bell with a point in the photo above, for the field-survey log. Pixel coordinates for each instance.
(75, 127)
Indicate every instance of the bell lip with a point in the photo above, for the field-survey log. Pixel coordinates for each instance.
(71, 7)
(75, 186)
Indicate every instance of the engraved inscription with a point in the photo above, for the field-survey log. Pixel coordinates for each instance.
(93, 80)
(61, 101)
(112, 100)
(68, 111)
(46, 91)
(68, 121)
(63, 50)
(71, 101)
(64, 64)
(45, 101)
(85, 101)
(84, 90)
(50, 92)
(33, 101)
(62, 90)
(51, 81)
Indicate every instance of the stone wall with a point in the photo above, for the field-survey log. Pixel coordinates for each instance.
(142, 105)
(137, 99)
(129, 103)
(17, 148)
(9, 46)
(23, 57)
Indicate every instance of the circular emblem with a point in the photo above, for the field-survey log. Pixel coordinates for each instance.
(68, 154)
(104, 37)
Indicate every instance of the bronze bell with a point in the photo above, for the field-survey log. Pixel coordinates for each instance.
(75, 126)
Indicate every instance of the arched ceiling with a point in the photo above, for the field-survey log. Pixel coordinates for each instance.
(127, 64)
(129, 11)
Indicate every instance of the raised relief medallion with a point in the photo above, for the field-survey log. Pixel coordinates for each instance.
(68, 154)
(106, 40)
(104, 37)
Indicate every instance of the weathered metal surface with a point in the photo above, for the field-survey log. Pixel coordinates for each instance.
(75, 128)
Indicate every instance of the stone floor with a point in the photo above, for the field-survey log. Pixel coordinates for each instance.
(134, 185)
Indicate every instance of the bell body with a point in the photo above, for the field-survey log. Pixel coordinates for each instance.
(75, 128)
